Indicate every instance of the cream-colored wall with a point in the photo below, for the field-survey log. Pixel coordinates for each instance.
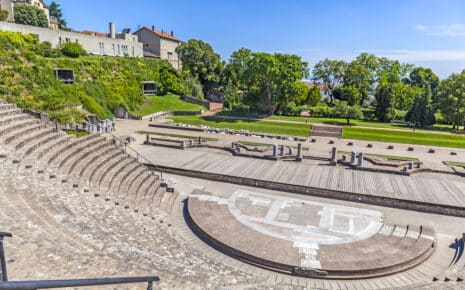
(168, 52)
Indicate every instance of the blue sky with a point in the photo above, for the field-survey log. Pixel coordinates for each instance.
(429, 33)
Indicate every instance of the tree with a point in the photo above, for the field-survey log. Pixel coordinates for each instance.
(273, 81)
(422, 112)
(452, 99)
(55, 11)
(73, 49)
(347, 112)
(3, 15)
(330, 72)
(30, 15)
(314, 96)
(201, 62)
(393, 99)
(236, 68)
(350, 94)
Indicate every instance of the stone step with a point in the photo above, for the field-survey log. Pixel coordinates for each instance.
(21, 131)
(10, 119)
(59, 151)
(80, 151)
(60, 141)
(27, 139)
(89, 156)
(16, 125)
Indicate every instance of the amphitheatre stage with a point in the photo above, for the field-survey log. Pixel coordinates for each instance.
(309, 239)
(84, 208)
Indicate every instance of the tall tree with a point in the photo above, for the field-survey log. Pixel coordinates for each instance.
(452, 99)
(331, 73)
(30, 15)
(273, 81)
(202, 63)
(55, 11)
(422, 111)
(314, 96)
(236, 67)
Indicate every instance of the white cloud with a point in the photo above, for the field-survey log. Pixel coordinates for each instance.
(406, 55)
(448, 30)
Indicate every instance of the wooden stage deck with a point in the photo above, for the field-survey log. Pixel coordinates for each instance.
(430, 189)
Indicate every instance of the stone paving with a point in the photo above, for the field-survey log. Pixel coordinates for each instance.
(96, 221)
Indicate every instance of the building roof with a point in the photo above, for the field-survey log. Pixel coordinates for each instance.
(159, 33)
(150, 54)
(321, 86)
(94, 33)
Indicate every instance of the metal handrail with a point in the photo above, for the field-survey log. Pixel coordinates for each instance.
(47, 284)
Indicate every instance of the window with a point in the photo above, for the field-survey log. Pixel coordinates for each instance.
(65, 75)
(67, 39)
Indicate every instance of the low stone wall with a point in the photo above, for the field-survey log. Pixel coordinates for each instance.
(320, 192)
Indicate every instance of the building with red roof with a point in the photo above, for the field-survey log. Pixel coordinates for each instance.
(160, 44)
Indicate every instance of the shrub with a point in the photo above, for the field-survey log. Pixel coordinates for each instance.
(73, 49)
(3, 15)
(195, 88)
(30, 15)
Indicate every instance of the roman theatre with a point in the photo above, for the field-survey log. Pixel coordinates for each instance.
(204, 208)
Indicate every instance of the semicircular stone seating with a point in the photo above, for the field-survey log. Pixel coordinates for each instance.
(390, 250)
(90, 161)
(54, 223)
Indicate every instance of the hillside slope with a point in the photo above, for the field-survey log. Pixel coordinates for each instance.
(27, 77)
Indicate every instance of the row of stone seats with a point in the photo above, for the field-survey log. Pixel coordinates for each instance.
(88, 236)
(67, 157)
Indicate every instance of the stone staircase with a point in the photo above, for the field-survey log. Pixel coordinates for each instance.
(109, 220)
(326, 131)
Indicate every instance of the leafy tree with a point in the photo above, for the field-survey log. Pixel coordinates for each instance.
(314, 96)
(422, 111)
(232, 96)
(350, 94)
(30, 15)
(195, 88)
(3, 15)
(423, 77)
(73, 49)
(348, 112)
(236, 68)
(393, 98)
(274, 80)
(201, 62)
(55, 11)
(452, 99)
(330, 72)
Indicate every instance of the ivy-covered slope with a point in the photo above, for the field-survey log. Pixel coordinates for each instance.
(27, 77)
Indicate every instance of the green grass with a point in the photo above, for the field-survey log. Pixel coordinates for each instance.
(252, 126)
(420, 138)
(387, 157)
(239, 114)
(453, 163)
(362, 123)
(188, 137)
(168, 102)
(76, 133)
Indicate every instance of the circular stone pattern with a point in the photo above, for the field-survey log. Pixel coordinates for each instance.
(306, 238)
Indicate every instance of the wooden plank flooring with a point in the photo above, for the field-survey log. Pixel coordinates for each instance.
(417, 188)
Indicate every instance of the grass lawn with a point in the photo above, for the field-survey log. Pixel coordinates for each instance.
(240, 114)
(362, 123)
(188, 137)
(453, 163)
(387, 157)
(252, 126)
(421, 138)
(168, 102)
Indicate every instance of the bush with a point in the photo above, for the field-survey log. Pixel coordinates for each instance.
(73, 49)
(195, 88)
(30, 15)
(3, 15)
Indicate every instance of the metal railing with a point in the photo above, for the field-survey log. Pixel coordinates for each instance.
(48, 284)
